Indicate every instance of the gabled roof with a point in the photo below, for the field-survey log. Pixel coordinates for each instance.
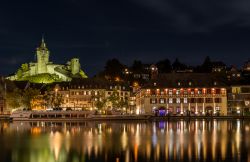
(185, 80)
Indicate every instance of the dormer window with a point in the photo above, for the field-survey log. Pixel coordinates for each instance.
(215, 83)
(189, 83)
(179, 83)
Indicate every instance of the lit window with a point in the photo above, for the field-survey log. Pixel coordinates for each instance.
(153, 101)
(170, 100)
(170, 92)
(190, 83)
(185, 100)
(178, 100)
(179, 83)
(178, 92)
(162, 100)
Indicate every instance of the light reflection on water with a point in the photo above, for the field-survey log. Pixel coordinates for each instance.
(125, 142)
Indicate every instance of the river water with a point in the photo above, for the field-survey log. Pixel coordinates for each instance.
(125, 142)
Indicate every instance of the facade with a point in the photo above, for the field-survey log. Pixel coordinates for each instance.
(44, 71)
(233, 74)
(239, 99)
(2, 104)
(84, 93)
(183, 94)
(2, 94)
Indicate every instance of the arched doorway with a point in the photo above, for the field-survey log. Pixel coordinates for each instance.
(162, 111)
(209, 110)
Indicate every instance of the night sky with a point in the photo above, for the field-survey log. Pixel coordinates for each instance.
(149, 30)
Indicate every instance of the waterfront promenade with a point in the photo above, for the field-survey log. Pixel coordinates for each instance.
(131, 118)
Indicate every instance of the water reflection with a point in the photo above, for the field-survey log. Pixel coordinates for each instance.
(129, 142)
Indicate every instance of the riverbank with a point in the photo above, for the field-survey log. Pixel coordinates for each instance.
(130, 118)
(4, 116)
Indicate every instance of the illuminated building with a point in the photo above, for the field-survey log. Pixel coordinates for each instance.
(239, 99)
(183, 93)
(84, 93)
(44, 71)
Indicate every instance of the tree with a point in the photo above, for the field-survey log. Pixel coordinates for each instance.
(113, 68)
(164, 66)
(206, 67)
(114, 99)
(124, 104)
(13, 99)
(137, 66)
(57, 100)
(100, 104)
(177, 65)
(25, 67)
(28, 95)
(47, 97)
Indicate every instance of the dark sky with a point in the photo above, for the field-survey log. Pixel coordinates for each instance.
(149, 30)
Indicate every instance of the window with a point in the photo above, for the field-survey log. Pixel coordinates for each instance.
(178, 100)
(185, 100)
(200, 100)
(209, 100)
(199, 91)
(217, 100)
(177, 92)
(192, 100)
(189, 83)
(153, 101)
(179, 83)
(162, 100)
(170, 92)
(170, 100)
(217, 91)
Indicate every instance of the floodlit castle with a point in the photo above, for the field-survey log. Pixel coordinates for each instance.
(44, 71)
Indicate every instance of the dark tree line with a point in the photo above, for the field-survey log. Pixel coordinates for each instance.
(114, 68)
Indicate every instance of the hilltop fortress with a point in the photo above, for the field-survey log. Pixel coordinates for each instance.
(44, 71)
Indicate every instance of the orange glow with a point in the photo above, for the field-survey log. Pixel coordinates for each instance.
(117, 79)
(136, 152)
(36, 130)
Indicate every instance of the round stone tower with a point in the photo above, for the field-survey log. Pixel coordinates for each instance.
(75, 66)
(42, 54)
